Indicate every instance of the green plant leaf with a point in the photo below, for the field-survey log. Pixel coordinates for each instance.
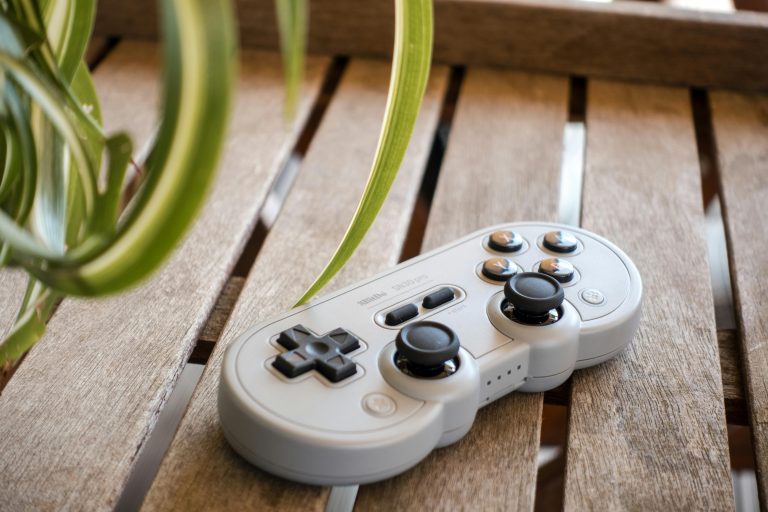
(410, 71)
(36, 309)
(68, 25)
(292, 22)
(46, 97)
(199, 76)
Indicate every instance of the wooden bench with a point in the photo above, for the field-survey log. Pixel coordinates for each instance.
(647, 430)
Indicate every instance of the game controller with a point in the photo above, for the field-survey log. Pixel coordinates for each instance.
(364, 383)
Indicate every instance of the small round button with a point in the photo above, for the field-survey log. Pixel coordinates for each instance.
(533, 293)
(560, 269)
(592, 296)
(427, 344)
(379, 404)
(499, 269)
(505, 241)
(561, 241)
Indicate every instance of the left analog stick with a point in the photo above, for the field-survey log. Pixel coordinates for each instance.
(426, 347)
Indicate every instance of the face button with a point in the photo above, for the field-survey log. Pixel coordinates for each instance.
(560, 269)
(532, 296)
(499, 269)
(592, 296)
(305, 352)
(425, 347)
(379, 404)
(505, 241)
(401, 314)
(438, 298)
(561, 241)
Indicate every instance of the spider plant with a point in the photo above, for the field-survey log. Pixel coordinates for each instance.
(62, 178)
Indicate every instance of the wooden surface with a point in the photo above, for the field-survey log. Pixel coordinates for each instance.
(504, 149)
(740, 126)
(87, 396)
(200, 470)
(634, 40)
(647, 430)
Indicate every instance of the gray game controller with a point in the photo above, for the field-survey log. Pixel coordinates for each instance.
(362, 384)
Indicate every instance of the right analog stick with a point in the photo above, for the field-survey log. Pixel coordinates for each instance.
(533, 295)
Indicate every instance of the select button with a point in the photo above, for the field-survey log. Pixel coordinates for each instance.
(401, 314)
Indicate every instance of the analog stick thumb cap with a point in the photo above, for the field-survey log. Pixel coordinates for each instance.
(534, 293)
(427, 344)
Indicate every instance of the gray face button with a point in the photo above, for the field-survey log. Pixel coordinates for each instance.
(401, 314)
(499, 269)
(561, 241)
(505, 241)
(306, 352)
(560, 269)
(592, 296)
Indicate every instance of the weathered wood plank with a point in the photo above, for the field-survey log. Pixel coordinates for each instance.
(632, 40)
(740, 125)
(80, 407)
(730, 367)
(502, 164)
(200, 470)
(647, 430)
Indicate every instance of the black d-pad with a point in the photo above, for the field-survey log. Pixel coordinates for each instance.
(306, 351)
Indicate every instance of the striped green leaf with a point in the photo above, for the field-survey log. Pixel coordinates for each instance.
(410, 71)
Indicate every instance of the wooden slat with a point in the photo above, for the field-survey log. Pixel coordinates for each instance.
(502, 164)
(730, 366)
(200, 470)
(740, 125)
(80, 407)
(634, 40)
(647, 430)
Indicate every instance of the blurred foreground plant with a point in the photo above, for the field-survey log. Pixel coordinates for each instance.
(62, 178)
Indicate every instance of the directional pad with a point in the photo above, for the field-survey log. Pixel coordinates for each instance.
(306, 351)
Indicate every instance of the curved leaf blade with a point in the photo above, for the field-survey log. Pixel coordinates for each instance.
(292, 22)
(410, 71)
(198, 89)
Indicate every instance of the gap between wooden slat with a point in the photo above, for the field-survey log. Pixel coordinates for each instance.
(415, 236)
(740, 131)
(551, 459)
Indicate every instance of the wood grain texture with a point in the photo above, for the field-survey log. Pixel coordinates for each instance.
(631, 40)
(740, 125)
(200, 470)
(78, 410)
(730, 366)
(647, 429)
(502, 164)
